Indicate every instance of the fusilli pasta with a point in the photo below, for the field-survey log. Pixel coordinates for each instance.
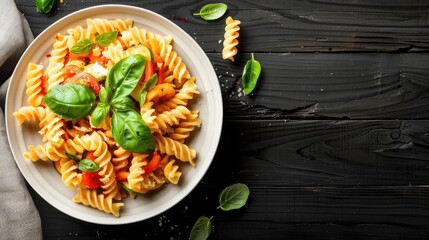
(68, 143)
(230, 42)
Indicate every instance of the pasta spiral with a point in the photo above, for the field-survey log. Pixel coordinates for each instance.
(175, 148)
(175, 64)
(54, 70)
(36, 153)
(34, 84)
(100, 26)
(136, 170)
(171, 171)
(230, 42)
(90, 197)
(29, 113)
(69, 174)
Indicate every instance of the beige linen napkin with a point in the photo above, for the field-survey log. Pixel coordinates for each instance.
(19, 218)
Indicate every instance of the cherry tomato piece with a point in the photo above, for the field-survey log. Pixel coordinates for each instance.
(91, 179)
(87, 79)
(90, 156)
(71, 70)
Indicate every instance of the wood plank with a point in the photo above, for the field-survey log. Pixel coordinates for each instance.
(341, 86)
(324, 153)
(272, 212)
(327, 213)
(283, 26)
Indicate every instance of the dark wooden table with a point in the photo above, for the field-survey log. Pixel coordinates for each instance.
(334, 143)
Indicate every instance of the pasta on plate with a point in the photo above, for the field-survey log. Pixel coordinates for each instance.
(85, 56)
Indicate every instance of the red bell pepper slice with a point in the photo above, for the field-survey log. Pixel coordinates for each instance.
(153, 164)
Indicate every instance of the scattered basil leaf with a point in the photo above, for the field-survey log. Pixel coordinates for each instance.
(131, 132)
(233, 197)
(123, 77)
(105, 39)
(72, 156)
(251, 73)
(201, 229)
(123, 104)
(70, 101)
(212, 11)
(99, 113)
(82, 47)
(151, 82)
(86, 165)
(44, 6)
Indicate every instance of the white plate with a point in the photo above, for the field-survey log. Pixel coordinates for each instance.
(42, 176)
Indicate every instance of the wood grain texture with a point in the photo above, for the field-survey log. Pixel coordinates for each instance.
(334, 142)
(272, 213)
(325, 153)
(283, 26)
(341, 86)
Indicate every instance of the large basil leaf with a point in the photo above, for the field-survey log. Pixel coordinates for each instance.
(70, 101)
(124, 76)
(131, 133)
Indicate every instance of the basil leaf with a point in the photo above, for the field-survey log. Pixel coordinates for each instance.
(70, 101)
(233, 197)
(82, 47)
(212, 11)
(131, 133)
(251, 73)
(72, 156)
(105, 39)
(201, 229)
(99, 113)
(103, 95)
(147, 86)
(123, 104)
(102, 109)
(151, 82)
(44, 6)
(124, 76)
(142, 97)
(128, 189)
(86, 165)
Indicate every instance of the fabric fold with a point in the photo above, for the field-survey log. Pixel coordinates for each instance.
(19, 218)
